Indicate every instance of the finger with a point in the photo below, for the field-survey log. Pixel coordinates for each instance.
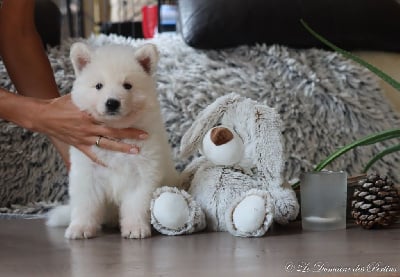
(131, 133)
(105, 131)
(66, 96)
(113, 145)
(92, 156)
(128, 133)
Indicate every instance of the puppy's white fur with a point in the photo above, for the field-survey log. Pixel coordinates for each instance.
(124, 187)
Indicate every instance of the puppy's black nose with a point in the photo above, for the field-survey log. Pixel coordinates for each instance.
(112, 105)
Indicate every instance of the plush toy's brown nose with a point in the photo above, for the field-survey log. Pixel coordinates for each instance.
(221, 135)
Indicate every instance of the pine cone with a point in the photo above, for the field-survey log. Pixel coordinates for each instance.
(375, 202)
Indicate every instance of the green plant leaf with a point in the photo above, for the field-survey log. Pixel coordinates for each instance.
(380, 155)
(370, 139)
(353, 57)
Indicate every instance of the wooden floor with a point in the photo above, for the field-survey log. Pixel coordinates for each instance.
(29, 248)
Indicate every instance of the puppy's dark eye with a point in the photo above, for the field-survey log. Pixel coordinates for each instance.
(127, 86)
(99, 86)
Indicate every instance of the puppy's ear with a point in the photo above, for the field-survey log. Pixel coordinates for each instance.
(80, 56)
(147, 56)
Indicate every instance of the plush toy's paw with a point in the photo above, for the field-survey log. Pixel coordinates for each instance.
(286, 207)
(251, 215)
(81, 231)
(165, 204)
(174, 212)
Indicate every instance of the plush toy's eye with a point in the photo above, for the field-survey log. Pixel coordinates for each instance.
(127, 86)
(99, 86)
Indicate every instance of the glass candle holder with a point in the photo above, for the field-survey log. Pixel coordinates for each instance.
(323, 200)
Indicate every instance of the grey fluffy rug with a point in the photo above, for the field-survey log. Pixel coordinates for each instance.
(325, 102)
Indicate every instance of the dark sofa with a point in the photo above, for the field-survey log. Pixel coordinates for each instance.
(48, 22)
(352, 24)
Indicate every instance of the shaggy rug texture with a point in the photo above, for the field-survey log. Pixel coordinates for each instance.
(325, 102)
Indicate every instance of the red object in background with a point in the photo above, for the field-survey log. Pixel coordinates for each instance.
(150, 20)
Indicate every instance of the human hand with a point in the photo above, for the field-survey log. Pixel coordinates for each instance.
(59, 118)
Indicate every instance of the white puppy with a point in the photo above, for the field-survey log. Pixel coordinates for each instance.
(115, 84)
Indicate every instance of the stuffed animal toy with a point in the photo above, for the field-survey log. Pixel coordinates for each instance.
(236, 184)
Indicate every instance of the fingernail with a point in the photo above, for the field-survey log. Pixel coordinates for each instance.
(134, 150)
(143, 136)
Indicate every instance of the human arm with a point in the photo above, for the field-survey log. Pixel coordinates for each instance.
(22, 51)
(60, 118)
(38, 106)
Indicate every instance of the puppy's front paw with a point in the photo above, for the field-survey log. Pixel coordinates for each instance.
(80, 231)
(135, 230)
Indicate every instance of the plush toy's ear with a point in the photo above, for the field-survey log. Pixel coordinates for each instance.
(207, 119)
(268, 155)
(80, 56)
(147, 56)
